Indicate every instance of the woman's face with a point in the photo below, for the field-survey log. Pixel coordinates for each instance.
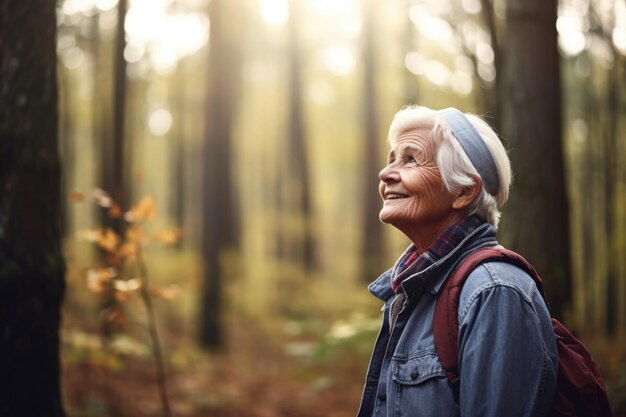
(415, 199)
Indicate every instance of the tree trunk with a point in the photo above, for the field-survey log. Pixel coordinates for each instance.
(298, 192)
(592, 280)
(67, 151)
(102, 110)
(179, 146)
(219, 230)
(619, 242)
(537, 218)
(31, 262)
(611, 181)
(113, 152)
(372, 241)
(493, 95)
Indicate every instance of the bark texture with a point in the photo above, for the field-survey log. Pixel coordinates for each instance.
(31, 262)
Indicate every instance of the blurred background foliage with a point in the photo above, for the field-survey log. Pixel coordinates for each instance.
(254, 129)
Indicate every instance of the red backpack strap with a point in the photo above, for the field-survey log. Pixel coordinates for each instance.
(445, 320)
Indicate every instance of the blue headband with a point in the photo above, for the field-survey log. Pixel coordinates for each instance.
(474, 146)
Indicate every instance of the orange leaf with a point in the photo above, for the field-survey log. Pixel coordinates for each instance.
(134, 235)
(120, 296)
(115, 212)
(95, 286)
(97, 278)
(167, 236)
(127, 250)
(145, 209)
(109, 240)
(76, 197)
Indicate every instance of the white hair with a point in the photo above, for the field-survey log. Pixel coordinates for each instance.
(457, 172)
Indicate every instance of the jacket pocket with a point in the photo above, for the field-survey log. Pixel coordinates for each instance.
(421, 387)
(417, 369)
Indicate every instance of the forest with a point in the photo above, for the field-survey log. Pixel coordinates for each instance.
(189, 189)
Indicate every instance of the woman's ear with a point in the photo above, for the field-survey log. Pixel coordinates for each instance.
(467, 195)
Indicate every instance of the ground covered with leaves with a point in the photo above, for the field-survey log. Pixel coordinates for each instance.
(260, 372)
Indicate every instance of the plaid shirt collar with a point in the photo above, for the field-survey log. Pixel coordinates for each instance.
(412, 261)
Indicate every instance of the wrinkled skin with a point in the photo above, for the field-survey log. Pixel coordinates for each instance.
(415, 199)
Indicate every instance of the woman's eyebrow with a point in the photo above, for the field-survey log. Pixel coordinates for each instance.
(410, 149)
(407, 149)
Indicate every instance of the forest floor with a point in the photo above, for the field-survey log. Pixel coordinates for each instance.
(305, 358)
(253, 376)
(258, 373)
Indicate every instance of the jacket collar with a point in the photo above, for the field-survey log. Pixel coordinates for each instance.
(433, 277)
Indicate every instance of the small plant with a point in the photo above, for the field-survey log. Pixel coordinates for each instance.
(124, 271)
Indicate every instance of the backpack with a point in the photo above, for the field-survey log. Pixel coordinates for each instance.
(579, 391)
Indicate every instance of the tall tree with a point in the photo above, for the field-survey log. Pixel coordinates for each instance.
(297, 193)
(101, 107)
(178, 144)
(372, 240)
(617, 272)
(610, 167)
(593, 314)
(493, 95)
(490, 92)
(537, 218)
(178, 140)
(31, 262)
(219, 230)
(113, 150)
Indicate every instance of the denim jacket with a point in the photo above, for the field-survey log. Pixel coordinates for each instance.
(507, 348)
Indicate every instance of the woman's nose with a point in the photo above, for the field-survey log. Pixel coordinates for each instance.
(389, 173)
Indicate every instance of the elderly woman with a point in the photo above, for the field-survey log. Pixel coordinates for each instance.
(446, 178)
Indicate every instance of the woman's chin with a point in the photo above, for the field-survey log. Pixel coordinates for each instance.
(387, 216)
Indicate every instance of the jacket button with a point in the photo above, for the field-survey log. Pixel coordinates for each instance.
(414, 374)
(382, 396)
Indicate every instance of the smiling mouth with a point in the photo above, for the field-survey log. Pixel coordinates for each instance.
(394, 196)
